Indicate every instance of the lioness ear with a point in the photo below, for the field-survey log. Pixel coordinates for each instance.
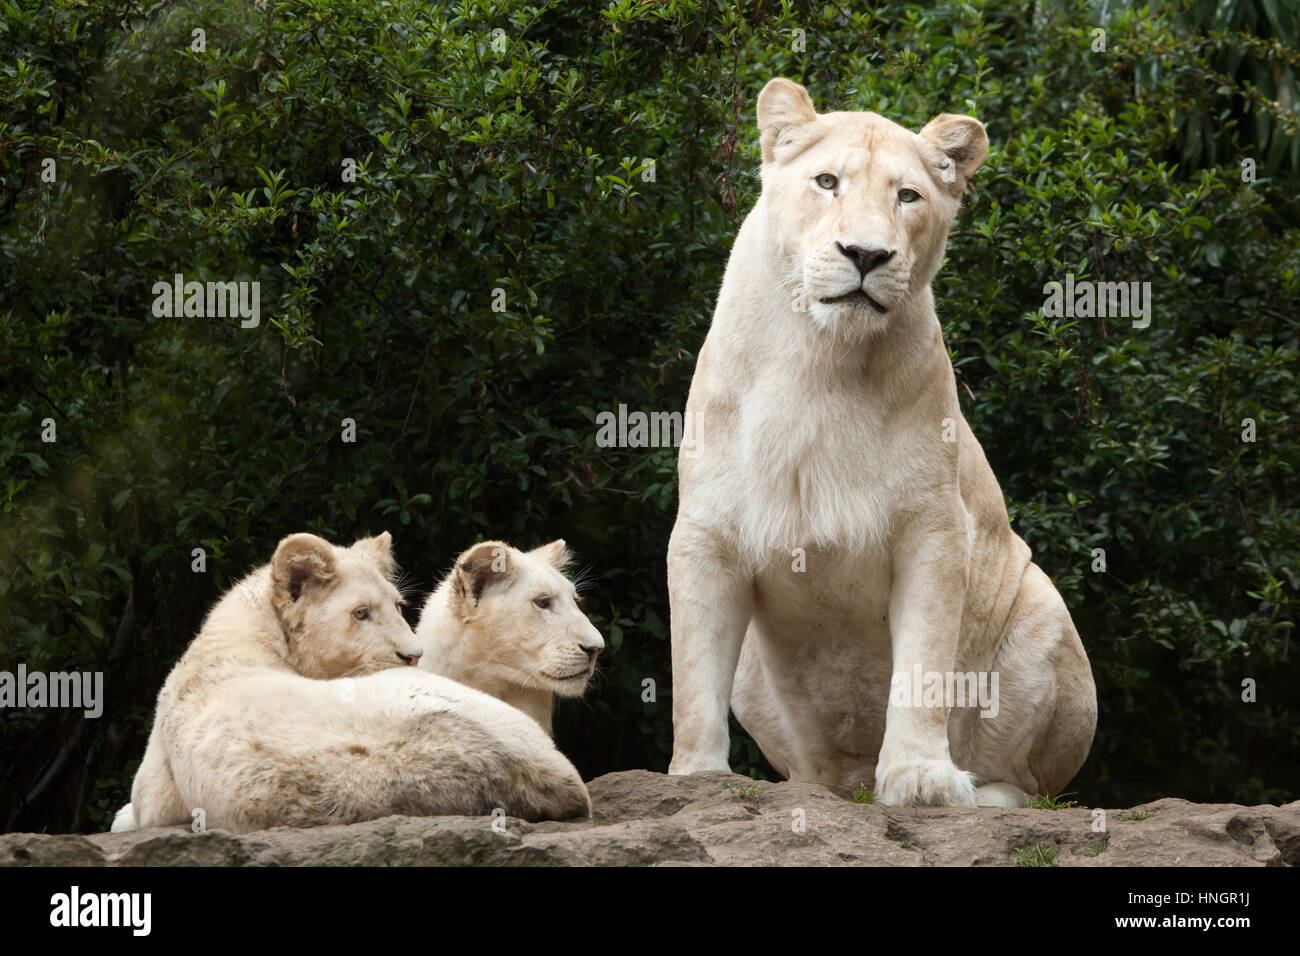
(484, 566)
(782, 104)
(557, 554)
(302, 563)
(380, 550)
(963, 144)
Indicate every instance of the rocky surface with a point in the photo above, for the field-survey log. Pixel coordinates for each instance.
(642, 818)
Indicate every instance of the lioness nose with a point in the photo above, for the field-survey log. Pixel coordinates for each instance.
(591, 650)
(410, 659)
(866, 259)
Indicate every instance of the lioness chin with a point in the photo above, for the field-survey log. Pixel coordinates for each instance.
(841, 543)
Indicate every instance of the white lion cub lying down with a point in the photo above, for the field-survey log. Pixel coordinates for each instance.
(507, 622)
(296, 705)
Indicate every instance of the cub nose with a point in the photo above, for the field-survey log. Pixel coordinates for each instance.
(866, 259)
(409, 659)
(591, 650)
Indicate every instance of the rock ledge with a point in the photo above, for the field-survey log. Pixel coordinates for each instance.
(642, 818)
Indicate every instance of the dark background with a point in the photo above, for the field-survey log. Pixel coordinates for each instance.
(526, 169)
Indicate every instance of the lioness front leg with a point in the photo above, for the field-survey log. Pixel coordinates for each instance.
(925, 606)
(710, 606)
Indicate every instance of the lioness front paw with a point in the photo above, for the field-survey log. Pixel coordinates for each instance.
(692, 763)
(931, 783)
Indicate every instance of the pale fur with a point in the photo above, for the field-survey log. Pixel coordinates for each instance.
(821, 428)
(290, 709)
(500, 640)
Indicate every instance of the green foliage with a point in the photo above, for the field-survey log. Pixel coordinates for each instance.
(1037, 855)
(527, 169)
(1137, 816)
(1058, 802)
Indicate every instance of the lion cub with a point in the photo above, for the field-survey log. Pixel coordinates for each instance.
(507, 622)
(297, 704)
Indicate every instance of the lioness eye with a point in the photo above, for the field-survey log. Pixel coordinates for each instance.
(908, 195)
(827, 181)
(542, 602)
(361, 613)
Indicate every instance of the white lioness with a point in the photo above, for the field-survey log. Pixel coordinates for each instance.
(838, 524)
(296, 705)
(507, 622)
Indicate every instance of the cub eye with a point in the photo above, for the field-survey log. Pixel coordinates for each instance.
(908, 195)
(542, 602)
(826, 181)
(361, 613)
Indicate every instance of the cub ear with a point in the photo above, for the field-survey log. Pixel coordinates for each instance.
(380, 550)
(963, 143)
(783, 103)
(556, 554)
(486, 565)
(302, 563)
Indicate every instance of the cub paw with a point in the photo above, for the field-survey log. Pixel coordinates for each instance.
(125, 820)
(927, 783)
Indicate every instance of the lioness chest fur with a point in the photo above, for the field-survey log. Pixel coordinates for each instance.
(295, 705)
(840, 539)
